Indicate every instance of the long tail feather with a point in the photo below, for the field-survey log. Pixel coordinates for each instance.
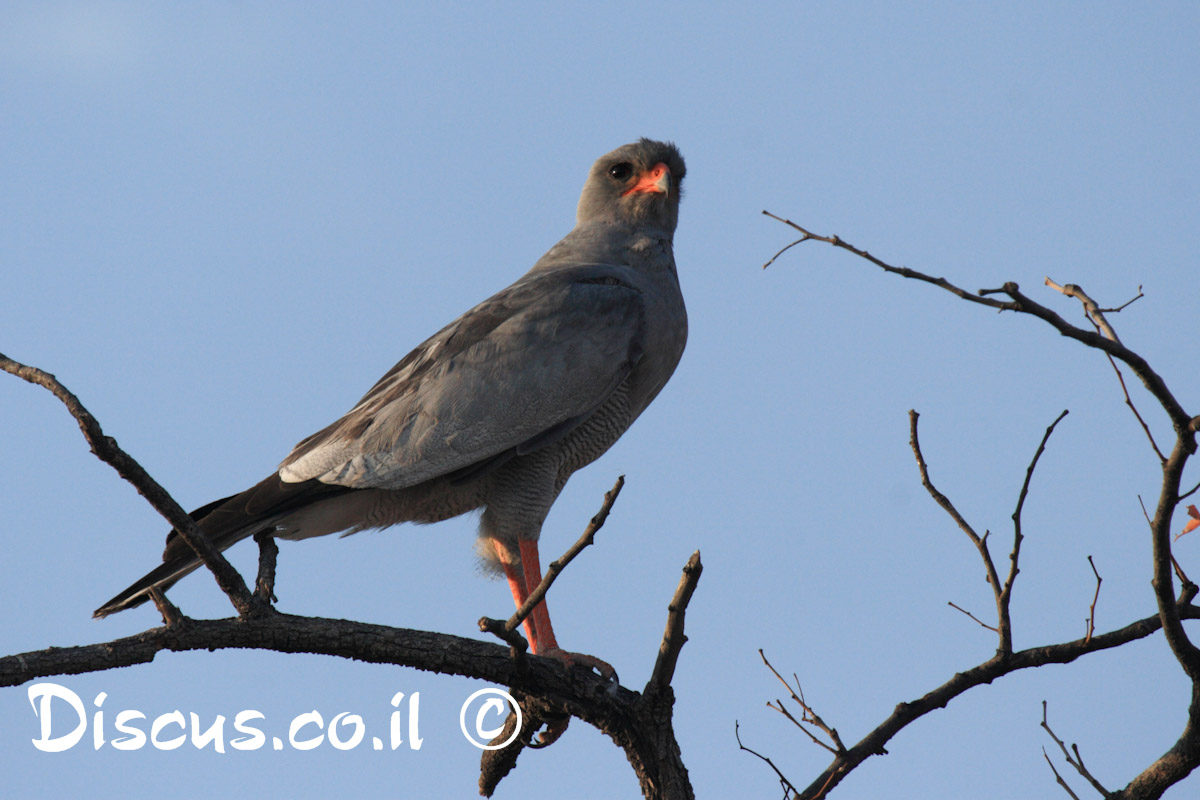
(226, 522)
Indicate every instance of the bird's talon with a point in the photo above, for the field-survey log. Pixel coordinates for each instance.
(595, 665)
(554, 730)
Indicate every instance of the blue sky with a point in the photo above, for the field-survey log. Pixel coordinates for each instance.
(221, 223)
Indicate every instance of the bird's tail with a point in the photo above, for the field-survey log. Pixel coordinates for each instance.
(226, 522)
(164, 577)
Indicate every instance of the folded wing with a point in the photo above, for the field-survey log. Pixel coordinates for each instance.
(515, 373)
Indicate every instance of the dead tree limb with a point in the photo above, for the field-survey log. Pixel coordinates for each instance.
(1172, 606)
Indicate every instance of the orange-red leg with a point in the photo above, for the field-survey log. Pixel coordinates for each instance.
(522, 583)
(543, 631)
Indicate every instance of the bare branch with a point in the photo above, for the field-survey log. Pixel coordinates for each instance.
(1005, 626)
(509, 630)
(1184, 755)
(902, 271)
(1180, 419)
(788, 789)
(874, 743)
(1090, 309)
(1133, 408)
(1185, 652)
(106, 449)
(1058, 778)
(1126, 304)
(1005, 599)
(1091, 620)
(808, 715)
(1075, 761)
(673, 636)
(1095, 315)
(972, 616)
(557, 566)
(640, 727)
(268, 555)
(170, 612)
(784, 249)
(996, 667)
(495, 765)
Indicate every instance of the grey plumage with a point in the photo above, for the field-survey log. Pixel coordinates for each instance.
(500, 407)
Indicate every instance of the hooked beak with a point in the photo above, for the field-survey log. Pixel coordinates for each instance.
(656, 180)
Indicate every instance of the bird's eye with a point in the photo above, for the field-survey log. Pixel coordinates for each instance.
(621, 172)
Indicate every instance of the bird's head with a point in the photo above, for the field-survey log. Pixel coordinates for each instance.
(639, 184)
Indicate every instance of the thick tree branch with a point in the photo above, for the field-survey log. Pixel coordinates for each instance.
(638, 724)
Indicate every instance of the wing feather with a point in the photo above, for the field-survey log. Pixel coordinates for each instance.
(515, 373)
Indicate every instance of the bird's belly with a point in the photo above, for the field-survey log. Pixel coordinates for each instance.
(432, 501)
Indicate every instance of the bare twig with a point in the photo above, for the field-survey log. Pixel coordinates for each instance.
(1129, 402)
(508, 629)
(1095, 315)
(1091, 620)
(268, 555)
(785, 248)
(808, 715)
(1187, 588)
(1075, 761)
(1180, 419)
(1004, 627)
(902, 271)
(1058, 778)
(1126, 304)
(517, 644)
(789, 790)
(1090, 308)
(107, 450)
(1005, 599)
(972, 616)
(170, 612)
(673, 636)
(557, 566)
